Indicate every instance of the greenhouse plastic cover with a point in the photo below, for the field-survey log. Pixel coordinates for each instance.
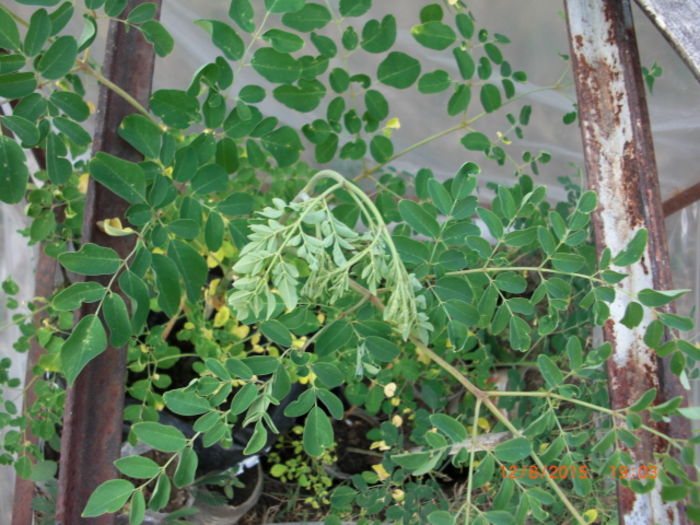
(538, 34)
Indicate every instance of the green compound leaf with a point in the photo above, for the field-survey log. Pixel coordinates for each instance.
(419, 219)
(334, 337)
(310, 18)
(14, 174)
(381, 148)
(350, 8)
(17, 85)
(275, 331)
(37, 34)
(137, 510)
(305, 97)
(138, 467)
(87, 341)
(155, 33)
(185, 403)
(655, 298)
(284, 145)
(550, 371)
(318, 432)
(241, 12)
(377, 36)
(161, 493)
(677, 322)
(283, 41)
(634, 250)
(377, 105)
(167, 283)
(122, 177)
(434, 82)
(382, 349)
(142, 13)
(224, 37)
(91, 259)
(465, 25)
(280, 68)
(186, 468)
(441, 517)
(117, 317)
(434, 35)
(513, 450)
(9, 35)
(476, 141)
(175, 108)
(71, 104)
(398, 70)
(284, 6)
(192, 266)
(161, 437)
(449, 426)
(644, 401)
(490, 98)
(110, 496)
(519, 334)
(257, 440)
(77, 293)
(143, 134)
(465, 63)
(59, 58)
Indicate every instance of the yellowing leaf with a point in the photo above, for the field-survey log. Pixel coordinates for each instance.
(222, 317)
(484, 424)
(393, 123)
(241, 331)
(382, 474)
(114, 227)
(590, 515)
(83, 182)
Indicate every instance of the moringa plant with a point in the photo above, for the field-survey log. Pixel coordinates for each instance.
(458, 318)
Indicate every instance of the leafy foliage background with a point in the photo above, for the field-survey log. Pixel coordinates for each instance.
(405, 297)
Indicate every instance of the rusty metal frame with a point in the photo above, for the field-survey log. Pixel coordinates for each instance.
(44, 285)
(682, 200)
(620, 166)
(92, 432)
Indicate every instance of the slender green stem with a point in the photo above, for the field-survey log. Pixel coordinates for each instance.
(472, 458)
(118, 90)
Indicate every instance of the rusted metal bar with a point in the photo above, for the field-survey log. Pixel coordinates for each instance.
(22, 513)
(44, 284)
(621, 168)
(678, 21)
(681, 200)
(92, 432)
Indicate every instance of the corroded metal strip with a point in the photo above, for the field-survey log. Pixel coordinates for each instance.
(92, 430)
(678, 21)
(682, 200)
(44, 284)
(621, 168)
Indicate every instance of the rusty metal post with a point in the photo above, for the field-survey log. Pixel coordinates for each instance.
(92, 432)
(44, 285)
(621, 168)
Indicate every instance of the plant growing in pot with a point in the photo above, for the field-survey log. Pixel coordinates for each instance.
(261, 293)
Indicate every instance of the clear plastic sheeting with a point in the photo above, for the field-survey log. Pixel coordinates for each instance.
(17, 260)
(684, 246)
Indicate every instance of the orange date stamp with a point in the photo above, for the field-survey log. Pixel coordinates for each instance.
(562, 472)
